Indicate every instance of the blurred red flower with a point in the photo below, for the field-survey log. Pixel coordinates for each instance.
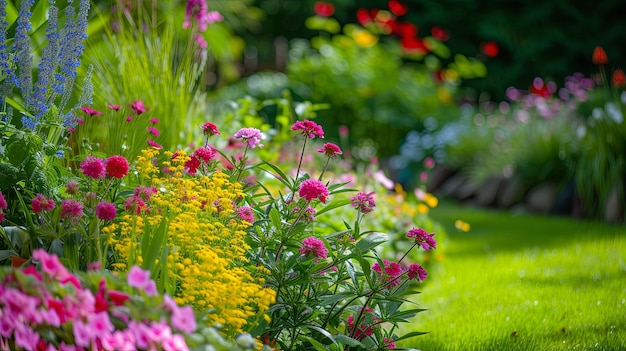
(599, 56)
(619, 79)
(324, 9)
(439, 34)
(490, 49)
(397, 8)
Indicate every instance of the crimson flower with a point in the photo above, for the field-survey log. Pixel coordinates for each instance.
(117, 167)
(138, 107)
(324, 9)
(599, 56)
(422, 238)
(618, 80)
(210, 129)
(330, 150)
(313, 189)
(309, 129)
(490, 49)
(93, 167)
(397, 7)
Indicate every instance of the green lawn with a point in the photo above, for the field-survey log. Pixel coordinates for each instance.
(522, 282)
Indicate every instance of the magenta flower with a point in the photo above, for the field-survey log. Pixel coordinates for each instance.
(417, 271)
(192, 165)
(197, 11)
(105, 211)
(71, 209)
(41, 203)
(114, 107)
(117, 166)
(134, 204)
(3, 202)
(313, 189)
(365, 329)
(309, 129)
(422, 238)
(154, 144)
(364, 202)
(138, 107)
(313, 246)
(184, 319)
(390, 273)
(205, 153)
(389, 343)
(154, 120)
(145, 193)
(246, 214)
(330, 150)
(139, 278)
(210, 129)
(71, 187)
(153, 131)
(252, 136)
(90, 111)
(92, 167)
(129, 118)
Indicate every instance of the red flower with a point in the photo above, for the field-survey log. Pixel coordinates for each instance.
(619, 79)
(599, 56)
(117, 166)
(309, 129)
(210, 129)
(105, 211)
(490, 49)
(397, 7)
(439, 34)
(363, 16)
(324, 9)
(92, 167)
(414, 45)
(407, 29)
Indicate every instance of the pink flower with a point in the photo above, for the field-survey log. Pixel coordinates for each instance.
(154, 120)
(105, 211)
(71, 209)
(309, 129)
(154, 144)
(389, 343)
(40, 203)
(117, 166)
(145, 193)
(114, 107)
(3, 202)
(389, 273)
(210, 129)
(365, 329)
(138, 107)
(417, 271)
(197, 10)
(252, 136)
(330, 150)
(134, 204)
(153, 131)
(129, 118)
(205, 153)
(175, 343)
(90, 111)
(184, 319)
(82, 334)
(71, 187)
(246, 214)
(118, 298)
(50, 264)
(323, 8)
(429, 162)
(422, 238)
(100, 323)
(313, 246)
(139, 278)
(364, 202)
(313, 189)
(92, 167)
(192, 164)
(25, 337)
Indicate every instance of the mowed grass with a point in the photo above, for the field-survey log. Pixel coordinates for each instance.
(524, 282)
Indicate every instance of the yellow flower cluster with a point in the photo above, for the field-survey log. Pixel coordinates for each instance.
(205, 240)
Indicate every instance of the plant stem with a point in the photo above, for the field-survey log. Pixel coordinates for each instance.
(301, 157)
(324, 170)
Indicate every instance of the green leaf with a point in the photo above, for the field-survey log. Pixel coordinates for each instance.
(4, 254)
(371, 241)
(275, 218)
(324, 332)
(151, 245)
(332, 205)
(316, 344)
(346, 340)
(411, 335)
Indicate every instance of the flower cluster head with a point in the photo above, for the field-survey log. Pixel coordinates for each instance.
(390, 272)
(415, 270)
(117, 166)
(93, 167)
(138, 107)
(90, 111)
(363, 202)
(197, 11)
(105, 211)
(309, 129)
(313, 189)
(71, 209)
(145, 193)
(245, 213)
(41, 203)
(56, 300)
(140, 279)
(422, 238)
(599, 56)
(313, 246)
(369, 321)
(330, 150)
(3, 206)
(252, 136)
(210, 129)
